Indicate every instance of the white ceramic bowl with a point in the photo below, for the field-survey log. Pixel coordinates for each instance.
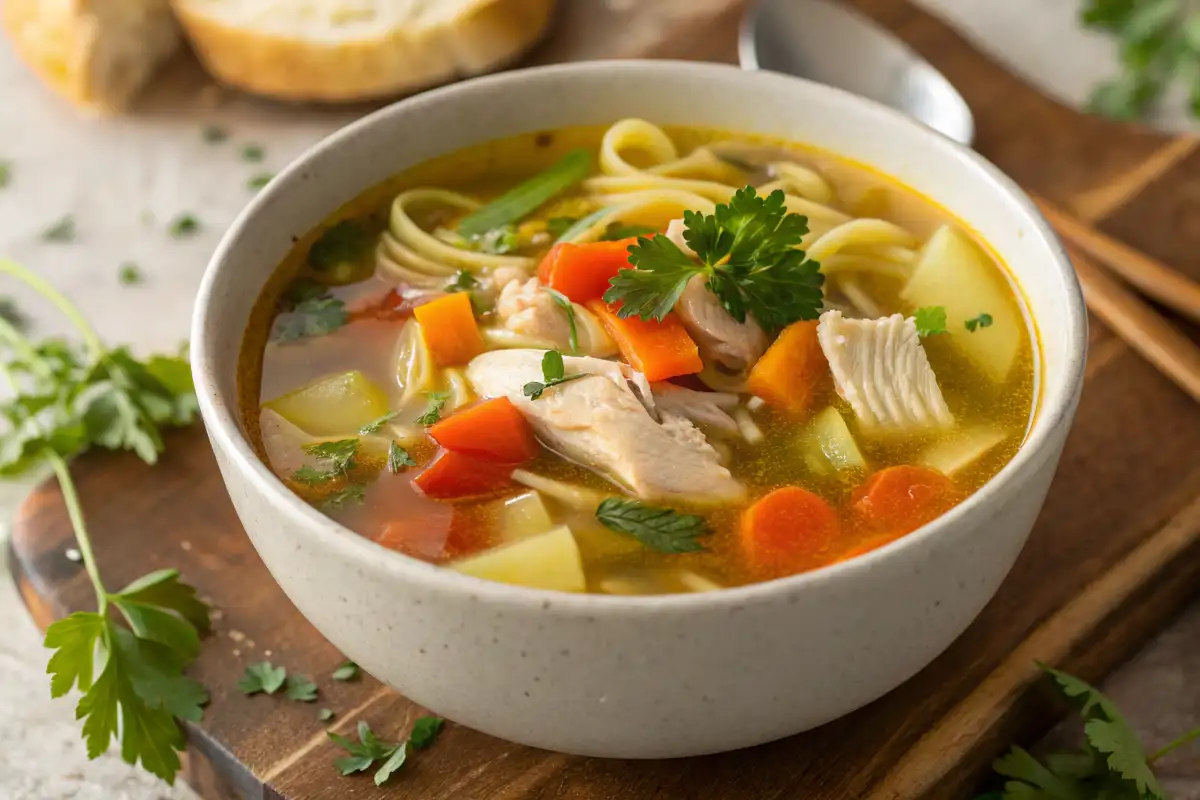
(641, 676)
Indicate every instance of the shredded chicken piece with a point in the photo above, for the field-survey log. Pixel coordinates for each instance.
(709, 410)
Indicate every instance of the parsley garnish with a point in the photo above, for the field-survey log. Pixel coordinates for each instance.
(253, 153)
(301, 689)
(183, 226)
(129, 274)
(748, 254)
(348, 671)
(565, 304)
(433, 411)
(325, 714)
(374, 425)
(553, 373)
(618, 230)
(5, 174)
(262, 677)
(214, 134)
(341, 248)
(258, 181)
(340, 455)
(369, 749)
(1111, 763)
(497, 241)
(930, 320)
(661, 529)
(462, 281)
(354, 493)
(311, 311)
(982, 321)
(61, 231)
(11, 313)
(398, 459)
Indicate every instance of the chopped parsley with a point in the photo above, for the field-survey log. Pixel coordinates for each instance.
(376, 424)
(339, 455)
(433, 411)
(5, 174)
(309, 311)
(661, 529)
(342, 248)
(565, 304)
(930, 320)
(183, 226)
(354, 493)
(497, 241)
(214, 134)
(258, 181)
(398, 459)
(325, 714)
(129, 274)
(370, 749)
(61, 231)
(301, 689)
(749, 255)
(253, 153)
(262, 677)
(347, 671)
(982, 321)
(463, 281)
(553, 374)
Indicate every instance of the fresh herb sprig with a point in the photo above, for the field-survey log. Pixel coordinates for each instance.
(398, 458)
(553, 374)
(370, 749)
(1111, 764)
(981, 321)
(930, 320)
(1159, 45)
(67, 399)
(308, 310)
(433, 408)
(663, 529)
(748, 254)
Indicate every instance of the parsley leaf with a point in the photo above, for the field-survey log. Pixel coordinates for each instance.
(301, 689)
(214, 134)
(310, 476)
(183, 226)
(309, 311)
(5, 174)
(129, 274)
(61, 231)
(262, 677)
(565, 304)
(347, 671)
(375, 425)
(497, 241)
(341, 248)
(340, 452)
(369, 749)
(749, 255)
(982, 321)
(661, 529)
(325, 714)
(398, 458)
(463, 281)
(433, 411)
(930, 320)
(394, 762)
(253, 153)
(354, 493)
(553, 373)
(259, 181)
(425, 731)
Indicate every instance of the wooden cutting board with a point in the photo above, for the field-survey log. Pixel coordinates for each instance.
(1113, 555)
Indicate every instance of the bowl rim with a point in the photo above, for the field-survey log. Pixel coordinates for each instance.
(225, 430)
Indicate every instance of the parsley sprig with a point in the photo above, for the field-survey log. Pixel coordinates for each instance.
(930, 320)
(749, 256)
(553, 373)
(663, 529)
(370, 749)
(66, 399)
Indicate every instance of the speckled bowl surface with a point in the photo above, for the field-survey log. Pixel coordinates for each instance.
(641, 676)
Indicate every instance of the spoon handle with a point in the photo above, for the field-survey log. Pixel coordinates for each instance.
(1139, 325)
(1149, 275)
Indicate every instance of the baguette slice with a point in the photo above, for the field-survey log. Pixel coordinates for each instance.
(348, 50)
(96, 53)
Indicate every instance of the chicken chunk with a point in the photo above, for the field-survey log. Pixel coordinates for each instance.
(732, 347)
(602, 422)
(709, 410)
(526, 308)
(880, 368)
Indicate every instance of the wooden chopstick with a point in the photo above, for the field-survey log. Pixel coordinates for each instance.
(1149, 275)
(1139, 325)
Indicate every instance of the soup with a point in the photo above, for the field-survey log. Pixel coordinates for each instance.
(638, 360)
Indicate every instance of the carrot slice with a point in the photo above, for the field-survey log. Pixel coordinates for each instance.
(898, 500)
(659, 350)
(790, 372)
(492, 431)
(454, 476)
(460, 530)
(582, 271)
(788, 531)
(450, 331)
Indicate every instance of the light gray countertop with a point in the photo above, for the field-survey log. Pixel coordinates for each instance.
(124, 179)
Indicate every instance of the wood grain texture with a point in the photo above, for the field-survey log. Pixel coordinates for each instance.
(1127, 486)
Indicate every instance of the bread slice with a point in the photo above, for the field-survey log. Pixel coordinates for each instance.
(345, 50)
(96, 53)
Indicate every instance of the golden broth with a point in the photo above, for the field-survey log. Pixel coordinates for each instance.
(612, 561)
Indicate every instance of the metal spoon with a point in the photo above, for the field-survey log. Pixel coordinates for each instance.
(826, 42)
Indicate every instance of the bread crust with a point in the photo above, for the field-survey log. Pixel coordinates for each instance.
(486, 34)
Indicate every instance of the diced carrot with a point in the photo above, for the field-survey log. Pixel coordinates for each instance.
(437, 538)
(790, 372)
(454, 476)
(659, 350)
(450, 331)
(898, 500)
(493, 431)
(582, 271)
(788, 531)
